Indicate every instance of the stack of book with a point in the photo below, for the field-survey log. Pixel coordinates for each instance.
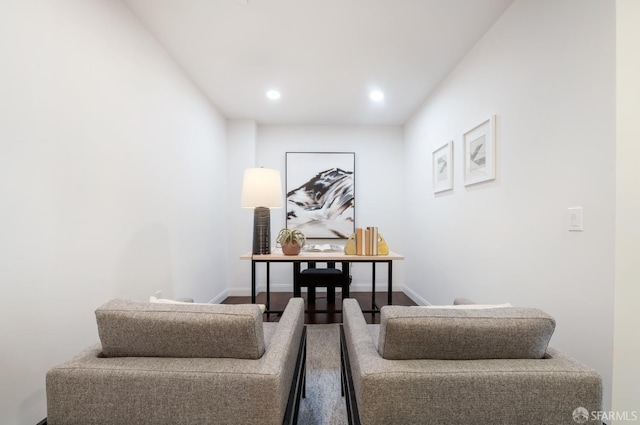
(367, 241)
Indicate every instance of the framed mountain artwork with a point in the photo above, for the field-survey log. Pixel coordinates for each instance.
(321, 193)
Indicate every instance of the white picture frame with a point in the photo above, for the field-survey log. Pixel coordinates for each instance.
(443, 168)
(479, 152)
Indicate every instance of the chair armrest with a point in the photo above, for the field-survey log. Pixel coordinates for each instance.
(283, 348)
(360, 345)
(357, 331)
(282, 352)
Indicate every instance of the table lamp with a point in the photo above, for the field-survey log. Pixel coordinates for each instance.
(261, 190)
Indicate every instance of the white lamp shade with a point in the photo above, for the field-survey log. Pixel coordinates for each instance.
(261, 187)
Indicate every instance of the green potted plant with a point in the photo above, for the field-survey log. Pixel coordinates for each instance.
(291, 241)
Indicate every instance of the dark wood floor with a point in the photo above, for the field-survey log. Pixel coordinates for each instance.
(320, 312)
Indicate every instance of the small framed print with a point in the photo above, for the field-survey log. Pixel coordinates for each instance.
(479, 153)
(443, 168)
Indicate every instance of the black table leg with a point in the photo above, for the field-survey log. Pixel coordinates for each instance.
(268, 287)
(373, 286)
(390, 284)
(347, 279)
(296, 272)
(253, 282)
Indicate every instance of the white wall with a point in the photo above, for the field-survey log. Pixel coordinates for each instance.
(626, 367)
(112, 180)
(547, 70)
(241, 154)
(379, 198)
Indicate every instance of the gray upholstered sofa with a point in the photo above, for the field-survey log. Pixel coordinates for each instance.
(179, 364)
(461, 366)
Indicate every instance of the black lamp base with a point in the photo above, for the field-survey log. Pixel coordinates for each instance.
(261, 230)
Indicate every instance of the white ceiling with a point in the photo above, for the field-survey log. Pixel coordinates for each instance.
(323, 55)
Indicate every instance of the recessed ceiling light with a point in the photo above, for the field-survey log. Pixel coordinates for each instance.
(376, 96)
(273, 94)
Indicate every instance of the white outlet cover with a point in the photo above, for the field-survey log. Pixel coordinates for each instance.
(575, 219)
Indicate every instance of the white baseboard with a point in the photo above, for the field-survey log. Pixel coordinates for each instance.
(356, 287)
(220, 297)
(415, 297)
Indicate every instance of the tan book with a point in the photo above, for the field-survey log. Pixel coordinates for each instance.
(368, 241)
(374, 241)
(360, 241)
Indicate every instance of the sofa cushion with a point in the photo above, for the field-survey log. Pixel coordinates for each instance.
(464, 334)
(132, 329)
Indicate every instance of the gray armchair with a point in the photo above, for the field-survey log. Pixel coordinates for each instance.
(459, 367)
(176, 364)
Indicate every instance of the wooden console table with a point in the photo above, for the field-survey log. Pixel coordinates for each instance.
(321, 257)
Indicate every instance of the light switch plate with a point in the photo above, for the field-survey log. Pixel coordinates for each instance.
(575, 219)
